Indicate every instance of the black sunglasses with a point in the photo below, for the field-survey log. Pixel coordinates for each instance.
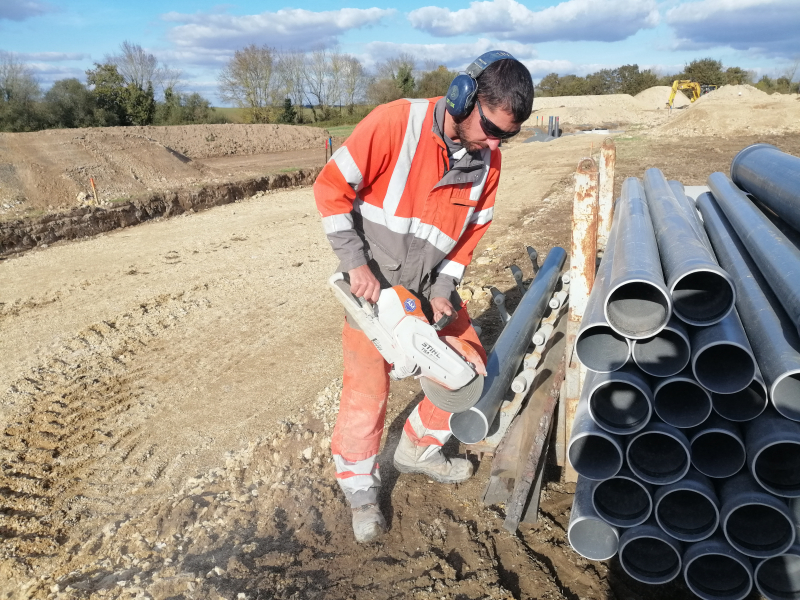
(492, 130)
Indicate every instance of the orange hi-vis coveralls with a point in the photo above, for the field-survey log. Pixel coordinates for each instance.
(389, 198)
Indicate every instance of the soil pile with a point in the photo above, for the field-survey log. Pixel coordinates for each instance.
(657, 96)
(605, 111)
(732, 92)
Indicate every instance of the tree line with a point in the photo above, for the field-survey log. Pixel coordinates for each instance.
(629, 79)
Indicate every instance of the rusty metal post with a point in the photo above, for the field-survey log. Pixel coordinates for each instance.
(582, 271)
(605, 203)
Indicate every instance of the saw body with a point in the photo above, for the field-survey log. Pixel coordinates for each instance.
(402, 334)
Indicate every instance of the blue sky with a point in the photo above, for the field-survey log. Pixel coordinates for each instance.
(62, 38)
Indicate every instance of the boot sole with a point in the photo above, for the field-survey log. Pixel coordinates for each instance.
(437, 478)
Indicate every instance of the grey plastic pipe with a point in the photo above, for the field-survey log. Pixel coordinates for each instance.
(772, 334)
(597, 345)
(659, 454)
(588, 534)
(472, 425)
(690, 209)
(649, 555)
(702, 292)
(621, 401)
(637, 303)
(722, 359)
(680, 401)
(622, 500)
(755, 523)
(777, 258)
(666, 353)
(718, 448)
(745, 405)
(592, 451)
(688, 509)
(773, 453)
(778, 578)
(771, 176)
(714, 570)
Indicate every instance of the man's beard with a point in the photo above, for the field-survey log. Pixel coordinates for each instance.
(466, 142)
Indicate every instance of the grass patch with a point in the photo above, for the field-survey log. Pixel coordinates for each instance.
(118, 200)
(234, 115)
(341, 131)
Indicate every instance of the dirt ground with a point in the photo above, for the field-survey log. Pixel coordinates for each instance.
(168, 393)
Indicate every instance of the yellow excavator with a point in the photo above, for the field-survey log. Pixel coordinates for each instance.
(696, 89)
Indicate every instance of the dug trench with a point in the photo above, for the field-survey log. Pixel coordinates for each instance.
(168, 395)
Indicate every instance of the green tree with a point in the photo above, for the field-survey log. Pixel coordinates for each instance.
(19, 96)
(548, 85)
(108, 88)
(69, 104)
(434, 83)
(705, 71)
(248, 80)
(140, 104)
(405, 80)
(736, 76)
(289, 114)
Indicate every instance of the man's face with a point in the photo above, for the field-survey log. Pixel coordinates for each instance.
(472, 134)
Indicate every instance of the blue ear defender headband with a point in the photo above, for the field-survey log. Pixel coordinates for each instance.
(461, 94)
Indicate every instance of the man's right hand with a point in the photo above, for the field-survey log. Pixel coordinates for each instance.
(363, 284)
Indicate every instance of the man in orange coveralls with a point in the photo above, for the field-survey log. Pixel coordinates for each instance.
(405, 201)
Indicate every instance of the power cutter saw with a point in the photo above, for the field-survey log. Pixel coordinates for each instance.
(450, 371)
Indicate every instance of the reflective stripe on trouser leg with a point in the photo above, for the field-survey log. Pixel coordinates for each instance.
(357, 434)
(428, 425)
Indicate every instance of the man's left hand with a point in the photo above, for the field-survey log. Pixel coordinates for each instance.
(441, 307)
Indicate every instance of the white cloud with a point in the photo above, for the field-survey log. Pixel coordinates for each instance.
(453, 56)
(286, 28)
(573, 20)
(13, 10)
(51, 56)
(765, 26)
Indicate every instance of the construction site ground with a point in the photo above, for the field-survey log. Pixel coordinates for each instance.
(168, 391)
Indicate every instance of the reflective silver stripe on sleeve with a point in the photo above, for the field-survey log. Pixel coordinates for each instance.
(477, 187)
(336, 223)
(432, 235)
(348, 167)
(482, 216)
(452, 268)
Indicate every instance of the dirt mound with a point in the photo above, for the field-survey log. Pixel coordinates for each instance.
(657, 96)
(735, 92)
(610, 110)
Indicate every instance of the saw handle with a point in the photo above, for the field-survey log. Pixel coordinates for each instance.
(445, 321)
(344, 278)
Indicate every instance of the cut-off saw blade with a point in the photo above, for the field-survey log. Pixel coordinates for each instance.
(453, 401)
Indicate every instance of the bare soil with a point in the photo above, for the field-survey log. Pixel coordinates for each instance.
(168, 391)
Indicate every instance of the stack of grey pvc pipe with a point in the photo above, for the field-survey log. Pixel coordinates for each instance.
(687, 435)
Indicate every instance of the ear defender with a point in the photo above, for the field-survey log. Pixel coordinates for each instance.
(461, 94)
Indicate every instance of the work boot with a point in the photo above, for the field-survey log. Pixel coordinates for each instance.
(430, 461)
(368, 521)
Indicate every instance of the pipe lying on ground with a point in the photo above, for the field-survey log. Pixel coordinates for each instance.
(680, 401)
(773, 453)
(702, 292)
(754, 522)
(649, 555)
(722, 359)
(714, 570)
(471, 426)
(592, 451)
(771, 333)
(659, 454)
(777, 258)
(688, 206)
(621, 401)
(718, 448)
(688, 509)
(622, 500)
(745, 405)
(588, 534)
(778, 578)
(771, 176)
(597, 345)
(666, 353)
(637, 303)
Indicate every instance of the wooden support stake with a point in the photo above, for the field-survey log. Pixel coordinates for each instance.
(605, 202)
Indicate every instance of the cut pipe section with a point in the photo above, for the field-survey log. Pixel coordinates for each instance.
(773, 453)
(637, 303)
(745, 405)
(659, 454)
(722, 359)
(778, 578)
(597, 345)
(714, 570)
(593, 452)
(688, 509)
(681, 401)
(718, 448)
(772, 334)
(754, 522)
(622, 500)
(702, 292)
(588, 534)
(472, 425)
(649, 555)
(621, 401)
(665, 354)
